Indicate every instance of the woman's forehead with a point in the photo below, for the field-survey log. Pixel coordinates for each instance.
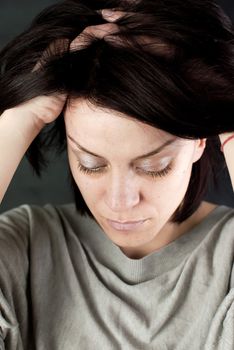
(95, 127)
(84, 114)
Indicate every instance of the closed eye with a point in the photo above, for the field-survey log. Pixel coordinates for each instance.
(102, 169)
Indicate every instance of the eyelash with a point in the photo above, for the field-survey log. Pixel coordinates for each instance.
(99, 170)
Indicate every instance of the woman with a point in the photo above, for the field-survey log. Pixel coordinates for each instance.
(140, 103)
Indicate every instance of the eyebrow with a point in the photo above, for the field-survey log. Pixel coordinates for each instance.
(152, 153)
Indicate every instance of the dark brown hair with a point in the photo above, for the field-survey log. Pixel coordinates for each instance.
(180, 82)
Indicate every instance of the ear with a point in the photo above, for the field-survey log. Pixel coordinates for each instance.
(199, 148)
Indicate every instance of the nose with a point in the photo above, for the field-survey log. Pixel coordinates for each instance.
(122, 193)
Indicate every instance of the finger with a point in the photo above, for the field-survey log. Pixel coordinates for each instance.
(112, 15)
(89, 33)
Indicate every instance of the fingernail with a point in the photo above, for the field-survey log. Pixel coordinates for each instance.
(107, 12)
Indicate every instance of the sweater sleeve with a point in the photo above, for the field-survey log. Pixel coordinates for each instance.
(14, 240)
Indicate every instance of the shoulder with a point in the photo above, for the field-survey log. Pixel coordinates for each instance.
(222, 221)
(217, 228)
(14, 233)
(21, 219)
(29, 236)
(224, 228)
(23, 227)
(16, 223)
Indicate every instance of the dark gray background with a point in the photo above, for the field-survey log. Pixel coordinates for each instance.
(53, 187)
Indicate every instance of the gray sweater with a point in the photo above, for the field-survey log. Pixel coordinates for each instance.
(65, 286)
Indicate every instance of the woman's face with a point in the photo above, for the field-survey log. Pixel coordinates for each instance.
(130, 182)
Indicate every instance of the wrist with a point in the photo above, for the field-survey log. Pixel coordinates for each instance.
(23, 119)
(226, 138)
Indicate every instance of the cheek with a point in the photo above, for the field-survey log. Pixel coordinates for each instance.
(166, 197)
(90, 188)
(180, 179)
(84, 185)
(172, 187)
(90, 192)
(178, 186)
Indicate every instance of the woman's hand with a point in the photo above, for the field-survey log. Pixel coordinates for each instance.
(45, 109)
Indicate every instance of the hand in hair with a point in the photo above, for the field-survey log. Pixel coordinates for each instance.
(46, 109)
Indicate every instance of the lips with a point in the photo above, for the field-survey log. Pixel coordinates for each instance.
(126, 225)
